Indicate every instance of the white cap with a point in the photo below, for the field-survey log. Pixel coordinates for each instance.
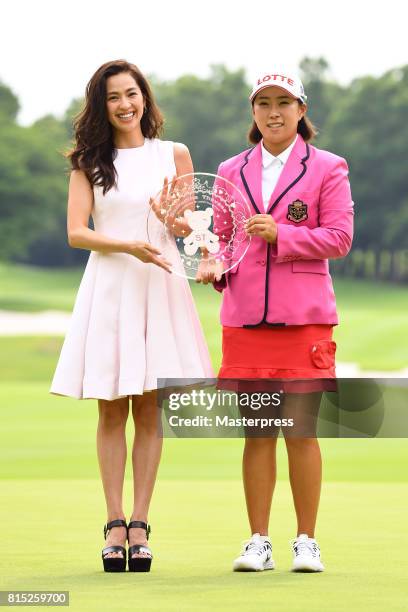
(289, 82)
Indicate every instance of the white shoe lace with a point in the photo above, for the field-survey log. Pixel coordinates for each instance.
(253, 548)
(306, 547)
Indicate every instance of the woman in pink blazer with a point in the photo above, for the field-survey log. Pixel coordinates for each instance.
(278, 308)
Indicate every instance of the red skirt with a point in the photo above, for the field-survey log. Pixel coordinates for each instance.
(293, 351)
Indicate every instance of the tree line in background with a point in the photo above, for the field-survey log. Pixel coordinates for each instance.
(365, 122)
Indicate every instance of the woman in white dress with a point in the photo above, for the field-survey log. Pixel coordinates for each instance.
(133, 321)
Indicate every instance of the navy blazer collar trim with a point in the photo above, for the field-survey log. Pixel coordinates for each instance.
(303, 161)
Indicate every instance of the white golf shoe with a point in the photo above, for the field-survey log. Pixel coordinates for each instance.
(256, 555)
(306, 555)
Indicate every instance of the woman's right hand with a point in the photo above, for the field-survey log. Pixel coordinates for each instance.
(148, 254)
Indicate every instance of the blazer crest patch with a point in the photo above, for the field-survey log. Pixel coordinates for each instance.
(297, 211)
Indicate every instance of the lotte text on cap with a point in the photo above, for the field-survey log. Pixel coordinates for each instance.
(292, 84)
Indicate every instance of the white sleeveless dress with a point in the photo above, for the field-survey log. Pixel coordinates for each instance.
(132, 322)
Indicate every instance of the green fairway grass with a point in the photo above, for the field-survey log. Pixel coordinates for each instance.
(52, 537)
(45, 436)
(32, 289)
(373, 330)
(53, 510)
(52, 505)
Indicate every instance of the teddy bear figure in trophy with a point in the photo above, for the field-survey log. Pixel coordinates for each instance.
(198, 220)
(200, 237)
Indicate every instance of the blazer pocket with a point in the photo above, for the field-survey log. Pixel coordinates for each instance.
(304, 194)
(311, 266)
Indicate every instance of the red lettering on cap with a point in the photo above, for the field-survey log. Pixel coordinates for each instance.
(275, 77)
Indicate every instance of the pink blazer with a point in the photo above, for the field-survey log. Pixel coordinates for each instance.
(289, 283)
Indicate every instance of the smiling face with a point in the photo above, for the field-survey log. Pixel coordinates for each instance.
(277, 115)
(124, 102)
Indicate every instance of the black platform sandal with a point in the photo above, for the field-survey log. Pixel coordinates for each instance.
(114, 564)
(139, 564)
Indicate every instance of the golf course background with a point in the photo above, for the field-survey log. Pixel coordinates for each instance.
(373, 330)
(52, 509)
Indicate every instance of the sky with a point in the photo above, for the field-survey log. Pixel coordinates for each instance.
(50, 49)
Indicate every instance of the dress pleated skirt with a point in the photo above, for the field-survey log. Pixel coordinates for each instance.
(132, 325)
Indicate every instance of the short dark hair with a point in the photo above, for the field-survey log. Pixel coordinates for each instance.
(305, 128)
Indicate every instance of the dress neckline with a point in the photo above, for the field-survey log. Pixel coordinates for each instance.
(134, 148)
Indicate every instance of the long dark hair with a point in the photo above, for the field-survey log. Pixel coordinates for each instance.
(94, 147)
(305, 128)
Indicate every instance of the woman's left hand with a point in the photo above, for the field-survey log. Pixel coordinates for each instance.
(263, 226)
(162, 207)
(168, 209)
(209, 270)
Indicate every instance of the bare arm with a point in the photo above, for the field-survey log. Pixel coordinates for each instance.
(184, 165)
(80, 236)
(182, 159)
(80, 202)
(171, 211)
